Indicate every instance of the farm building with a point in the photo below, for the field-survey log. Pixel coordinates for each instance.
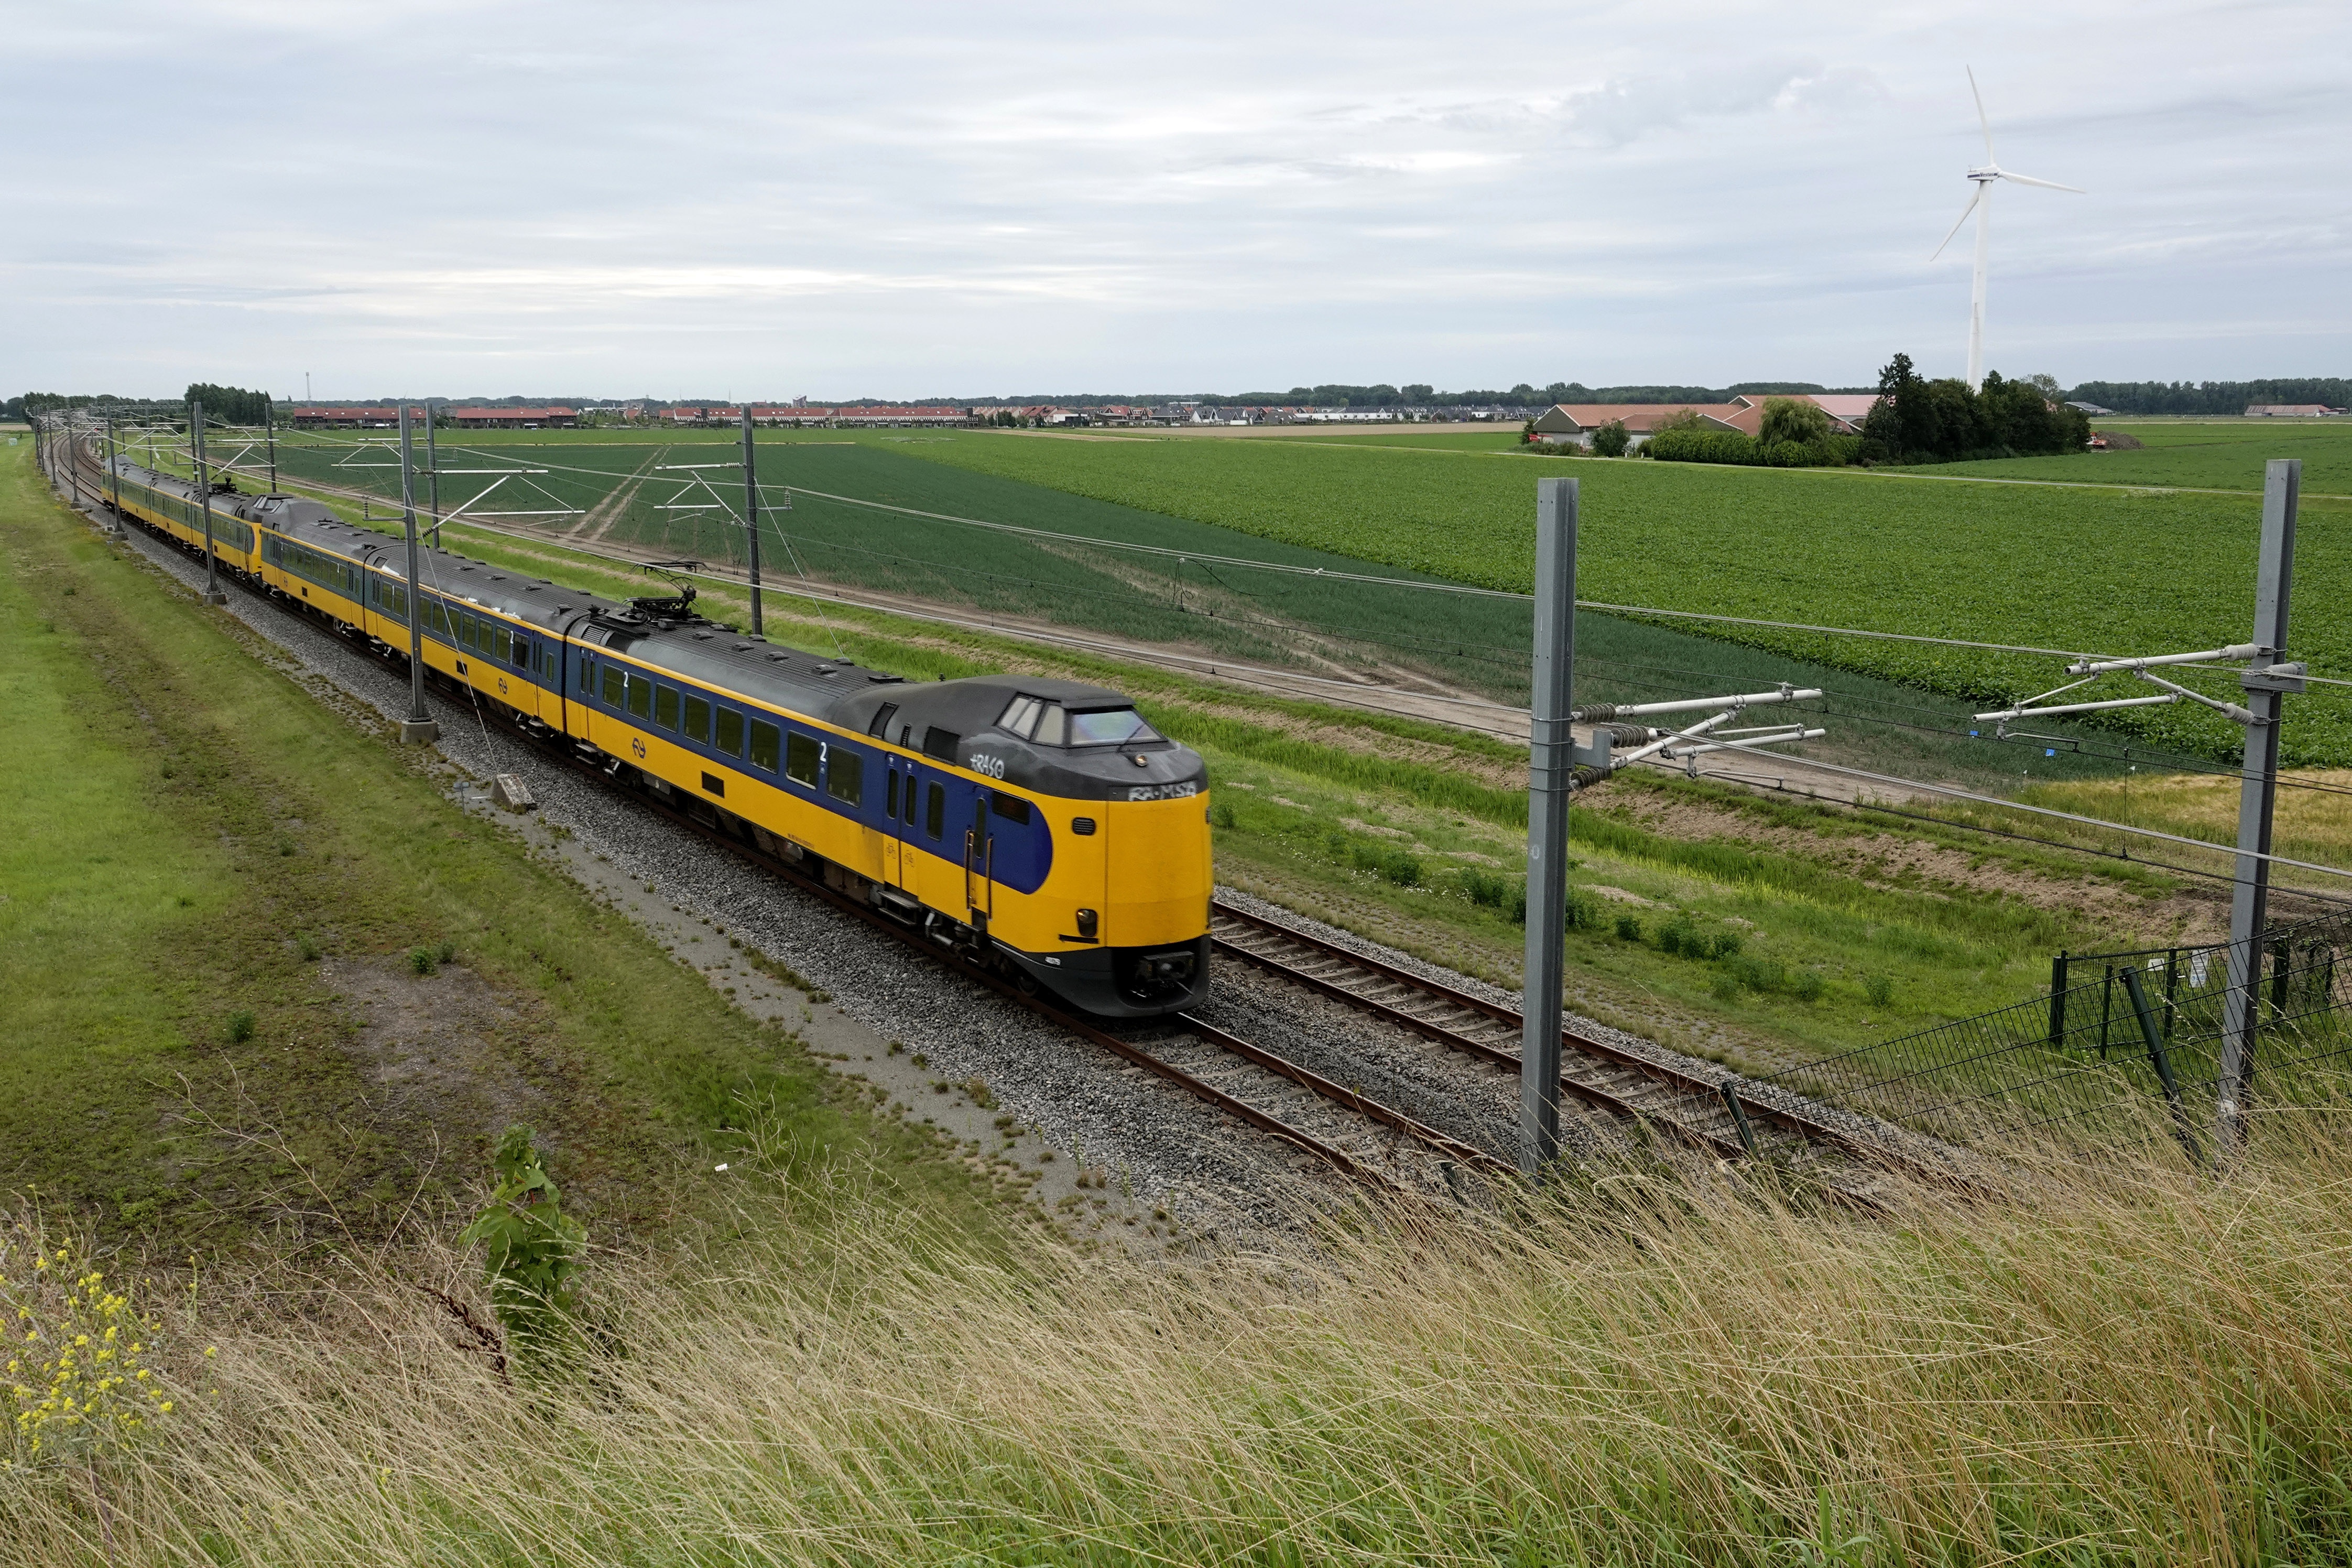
(510, 418)
(879, 416)
(1576, 421)
(318, 418)
(2289, 411)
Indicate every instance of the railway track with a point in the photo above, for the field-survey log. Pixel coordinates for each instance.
(1341, 1127)
(1708, 1114)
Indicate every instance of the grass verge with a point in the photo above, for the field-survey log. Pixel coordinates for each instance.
(211, 882)
(2132, 1366)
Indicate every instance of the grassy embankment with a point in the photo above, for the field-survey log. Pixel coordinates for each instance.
(200, 864)
(1413, 833)
(2143, 1368)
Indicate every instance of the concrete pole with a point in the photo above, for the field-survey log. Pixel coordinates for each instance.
(432, 475)
(418, 726)
(2257, 798)
(752, 516)
(114, 473)
(212, 594)
(270, 424)
(1550, 775)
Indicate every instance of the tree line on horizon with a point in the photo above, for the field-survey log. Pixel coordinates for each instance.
(238, 405)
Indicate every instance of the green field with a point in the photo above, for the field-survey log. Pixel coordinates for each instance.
(1321, 625)
(2206, 454)
(2112, 570)
(2109, 571)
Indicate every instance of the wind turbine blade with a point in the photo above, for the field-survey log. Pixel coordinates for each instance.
(1981, 120)
(1975, 196)
(2045, 184)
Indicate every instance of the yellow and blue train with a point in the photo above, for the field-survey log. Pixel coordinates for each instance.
(1039, 826)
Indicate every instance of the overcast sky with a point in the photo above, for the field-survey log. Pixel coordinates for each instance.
(714, 199)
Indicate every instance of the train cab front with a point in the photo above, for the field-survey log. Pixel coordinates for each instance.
(1108, 909)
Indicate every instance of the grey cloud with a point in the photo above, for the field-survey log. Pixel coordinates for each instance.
(758, 196)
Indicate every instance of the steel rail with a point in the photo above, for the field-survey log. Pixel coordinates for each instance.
(1792, 1121)
(1452, 1039)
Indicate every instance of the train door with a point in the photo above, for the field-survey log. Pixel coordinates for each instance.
(894, 826)
(979, 864)
(918, 829)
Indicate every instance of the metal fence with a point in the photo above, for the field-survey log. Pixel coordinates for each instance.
(2125, 1045)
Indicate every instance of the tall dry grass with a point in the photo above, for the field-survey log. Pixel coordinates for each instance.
(2150, 1367)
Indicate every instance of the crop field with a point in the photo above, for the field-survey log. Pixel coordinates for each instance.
(869, 513)
(2205, 453)
(2116, 570)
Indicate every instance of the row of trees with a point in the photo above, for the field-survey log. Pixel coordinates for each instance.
(2212, 397)
(222, 404)
(229, 404)
(1941, 421)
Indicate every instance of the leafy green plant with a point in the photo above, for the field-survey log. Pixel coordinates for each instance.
(532, 1246)
(1610, 441)
(241, 1025)
(1880, 989)
(423, 960)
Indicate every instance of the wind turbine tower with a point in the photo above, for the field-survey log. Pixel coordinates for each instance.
(1981, 204)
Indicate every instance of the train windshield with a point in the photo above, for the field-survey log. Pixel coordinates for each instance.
(1049, 724)
(1110, 726)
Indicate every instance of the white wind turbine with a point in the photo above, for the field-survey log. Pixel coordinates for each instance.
(1981, 204)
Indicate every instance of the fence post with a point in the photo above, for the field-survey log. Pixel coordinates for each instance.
(2162, 1062)
(1738, 1115)
(2257, 795)
(2058, 1000)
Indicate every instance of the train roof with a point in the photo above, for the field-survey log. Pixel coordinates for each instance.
(837, 691)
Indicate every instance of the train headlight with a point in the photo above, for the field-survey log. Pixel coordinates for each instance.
(1087, 921)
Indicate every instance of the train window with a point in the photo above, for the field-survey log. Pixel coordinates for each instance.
(940, 743)
(1110, 726)
(910, 798)
(698, 717)
(588, 676)
(799, 760)
(641, 695)
(1053, 728)
(436, 616)
(1019, 716)
(502, 644)
(765, 737)
(399, 607)
(935, 811)
(617, 685)
(1011, 807)
(666, 706)
(547, 662)
(845, 776)
(730, 732)
(465, 629)
(891, 799)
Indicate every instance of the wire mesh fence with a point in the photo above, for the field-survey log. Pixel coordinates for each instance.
(2119, 1036)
